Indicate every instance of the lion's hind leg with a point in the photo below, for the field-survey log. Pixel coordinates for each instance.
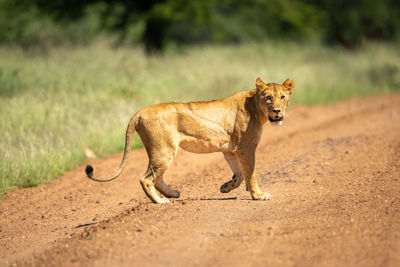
(148, 182)
(160, 157)
(164, 189)
(160, 167)
(153, 179)
(237, 177)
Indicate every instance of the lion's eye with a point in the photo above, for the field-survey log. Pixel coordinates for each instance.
(269, 98)
(282, 97)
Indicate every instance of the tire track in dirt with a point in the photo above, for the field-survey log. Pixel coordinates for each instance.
(332, 171)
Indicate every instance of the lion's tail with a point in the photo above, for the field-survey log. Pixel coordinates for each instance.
(129, 134)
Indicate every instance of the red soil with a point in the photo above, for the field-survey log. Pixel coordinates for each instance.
(333, 173)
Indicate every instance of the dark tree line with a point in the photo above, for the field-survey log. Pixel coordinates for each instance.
(196, 21)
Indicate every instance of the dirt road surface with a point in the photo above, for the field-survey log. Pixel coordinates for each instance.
(333, 173)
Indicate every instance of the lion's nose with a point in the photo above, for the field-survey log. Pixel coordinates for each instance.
(276, 110)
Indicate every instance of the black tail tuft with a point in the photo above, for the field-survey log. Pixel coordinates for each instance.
(89, 171)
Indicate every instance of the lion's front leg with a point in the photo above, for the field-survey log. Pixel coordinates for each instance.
(231, 184)
(247, 162)
(237, 177)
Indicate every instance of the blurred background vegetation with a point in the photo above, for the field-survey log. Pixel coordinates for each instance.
(161, 23)
(73, 72)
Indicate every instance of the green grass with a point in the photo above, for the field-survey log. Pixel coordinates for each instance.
(53, 105)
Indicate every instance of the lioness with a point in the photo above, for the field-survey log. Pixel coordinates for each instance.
(232, 126)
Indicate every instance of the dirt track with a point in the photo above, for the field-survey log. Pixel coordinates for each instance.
(334, 176)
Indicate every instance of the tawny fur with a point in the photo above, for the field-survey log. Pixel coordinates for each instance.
(232, 126)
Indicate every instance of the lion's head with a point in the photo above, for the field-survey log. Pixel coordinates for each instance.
(273, 98)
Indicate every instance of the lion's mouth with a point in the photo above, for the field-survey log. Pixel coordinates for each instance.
(275, 118)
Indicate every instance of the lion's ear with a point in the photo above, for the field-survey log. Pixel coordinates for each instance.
(289, 85)
(259, 84)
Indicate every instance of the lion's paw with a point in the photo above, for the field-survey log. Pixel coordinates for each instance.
(163, 201)
(262, 196)
(226, 187)
(175, 194)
